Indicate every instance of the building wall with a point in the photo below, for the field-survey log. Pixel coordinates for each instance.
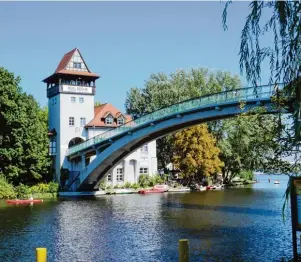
(60, 109)
(131, 165)
(54, 122)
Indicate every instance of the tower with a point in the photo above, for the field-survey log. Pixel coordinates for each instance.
(70, 92)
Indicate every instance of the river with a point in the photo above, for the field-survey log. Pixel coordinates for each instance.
(239, 224)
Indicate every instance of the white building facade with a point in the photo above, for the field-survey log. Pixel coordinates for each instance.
(73, 118)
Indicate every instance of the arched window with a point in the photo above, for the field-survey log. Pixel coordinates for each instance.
(74, 141)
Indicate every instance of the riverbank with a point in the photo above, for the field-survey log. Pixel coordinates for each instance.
(240, 182)
(40, 190)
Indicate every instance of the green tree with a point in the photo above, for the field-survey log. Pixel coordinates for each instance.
(162, 90)
(250, 142)
(97, 103)
(195, 153)
(23, 133)
(283, 55)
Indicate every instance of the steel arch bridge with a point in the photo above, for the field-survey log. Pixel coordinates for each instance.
(112, 146)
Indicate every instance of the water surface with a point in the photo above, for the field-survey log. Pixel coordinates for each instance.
(241, 224)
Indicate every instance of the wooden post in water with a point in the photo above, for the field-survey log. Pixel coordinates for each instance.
(183, 250)
(41, 254)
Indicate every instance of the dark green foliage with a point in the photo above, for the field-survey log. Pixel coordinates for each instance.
(6, 189)
(53, 187)
(149, 181)
(283, 24)
(22, 191)
(143, 180)
(23, 134)
(246, 174)
(161, 90)
(155, 180)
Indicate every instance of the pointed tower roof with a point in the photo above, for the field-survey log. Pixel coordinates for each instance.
(66, 66)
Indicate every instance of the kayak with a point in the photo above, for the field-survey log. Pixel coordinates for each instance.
(149, 191)
(24, 201)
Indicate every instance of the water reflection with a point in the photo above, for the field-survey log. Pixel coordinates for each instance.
(242, 224)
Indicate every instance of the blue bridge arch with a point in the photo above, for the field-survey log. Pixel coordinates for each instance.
(115, 144)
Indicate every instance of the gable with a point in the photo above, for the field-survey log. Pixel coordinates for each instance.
(77, 63)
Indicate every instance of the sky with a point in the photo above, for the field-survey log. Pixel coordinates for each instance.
(123, 42)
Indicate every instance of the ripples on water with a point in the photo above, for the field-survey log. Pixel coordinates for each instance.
(243, 224)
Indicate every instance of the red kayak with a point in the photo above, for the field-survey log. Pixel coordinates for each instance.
(24, 201)
(149, 191)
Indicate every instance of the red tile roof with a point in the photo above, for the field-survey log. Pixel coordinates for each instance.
(65, 60)
(101, 111)
(61, 68)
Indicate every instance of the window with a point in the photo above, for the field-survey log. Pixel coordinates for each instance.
(119, 176)
(71, 121)
(109, 177)
(77, 65)
(109, 120)
(144, 149)
(73, 99)
(143, 170)
(81, 100)
(53, 100)
(52, 146)
(120, 120)
(82, 121)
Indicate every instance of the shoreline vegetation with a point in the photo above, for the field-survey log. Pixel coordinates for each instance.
(50, 190)
(41, 190)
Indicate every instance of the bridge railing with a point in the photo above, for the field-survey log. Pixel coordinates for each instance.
(235, 95)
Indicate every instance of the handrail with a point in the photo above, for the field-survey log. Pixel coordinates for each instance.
(234, 95)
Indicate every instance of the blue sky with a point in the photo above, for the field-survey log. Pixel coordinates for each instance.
(124, 42)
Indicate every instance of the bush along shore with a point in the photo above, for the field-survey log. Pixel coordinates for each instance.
(41, 190)
(144, 181)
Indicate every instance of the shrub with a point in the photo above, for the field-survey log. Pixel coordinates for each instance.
(6, 189)
(22, 191)
(35, 189)
(40, 188)
(154, 180)
(127, 185)
(135, 186)
(53, 187)
(246, 174)
(110, 187)
(43, 188)
(102, 186)
(143, 180)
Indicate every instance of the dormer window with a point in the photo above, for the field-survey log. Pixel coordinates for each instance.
(109, 120)
(77, 65)
(120, 120)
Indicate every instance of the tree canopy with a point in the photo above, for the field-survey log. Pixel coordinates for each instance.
(162, 90)
(195, 153)
(23, 133)
(246, 143)
(281, 20)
